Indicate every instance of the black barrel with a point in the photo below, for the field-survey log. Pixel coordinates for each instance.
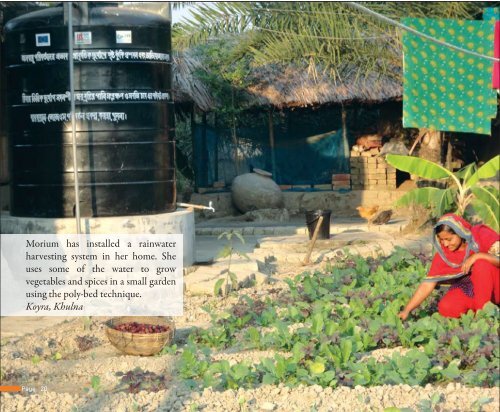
(124, 113)
(312, 219)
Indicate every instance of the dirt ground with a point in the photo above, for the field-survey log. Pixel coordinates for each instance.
(57, 366)
(68, 364)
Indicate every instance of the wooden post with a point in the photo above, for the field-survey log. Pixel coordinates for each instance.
(194, 147)
(272, 143)
(235, 137)
(345, 142)
(449, 153)
(204, 157)
(216, 154)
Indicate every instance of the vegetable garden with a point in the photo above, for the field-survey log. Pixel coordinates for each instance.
(320, 341)
(325, 325)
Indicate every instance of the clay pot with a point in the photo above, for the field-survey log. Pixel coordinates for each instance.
(252, 191)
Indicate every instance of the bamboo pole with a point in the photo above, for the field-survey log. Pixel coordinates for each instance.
(307, 260)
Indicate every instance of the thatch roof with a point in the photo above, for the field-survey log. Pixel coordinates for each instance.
(291, 86)
(188, 87)
(288, 86)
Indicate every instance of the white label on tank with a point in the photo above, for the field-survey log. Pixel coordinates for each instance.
(83, 37)
(124, 36)
(96, 55)
(42, 39)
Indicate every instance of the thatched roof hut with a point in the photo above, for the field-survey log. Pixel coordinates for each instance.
(289, 86)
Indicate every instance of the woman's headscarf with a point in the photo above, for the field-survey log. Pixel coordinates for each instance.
(447, 265)
(463, 229)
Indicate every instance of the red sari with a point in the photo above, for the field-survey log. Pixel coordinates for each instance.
(481, 285)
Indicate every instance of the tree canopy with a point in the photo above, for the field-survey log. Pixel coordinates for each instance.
(330, 35)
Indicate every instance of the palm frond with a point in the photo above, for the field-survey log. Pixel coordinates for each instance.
(208, 21)
(323, 38)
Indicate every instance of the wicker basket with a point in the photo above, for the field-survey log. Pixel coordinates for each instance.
(143, 344)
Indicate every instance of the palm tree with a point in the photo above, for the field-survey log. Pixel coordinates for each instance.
(331, 34)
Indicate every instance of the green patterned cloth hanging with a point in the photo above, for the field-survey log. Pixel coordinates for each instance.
(491, 14)
(445, 89)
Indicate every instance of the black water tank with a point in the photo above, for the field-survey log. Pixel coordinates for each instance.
(124, 113)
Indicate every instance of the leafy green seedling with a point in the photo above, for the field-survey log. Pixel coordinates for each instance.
(36, 359)
(194, 407)
(168, 350)
(242, 403)
(429, 405)
(87, 322)
(477, 405)
(227, 252)
(95, 383)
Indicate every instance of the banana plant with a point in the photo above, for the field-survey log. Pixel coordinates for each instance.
(463, 189)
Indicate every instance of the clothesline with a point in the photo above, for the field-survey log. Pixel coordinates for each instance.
(312, 36)
(418, 33)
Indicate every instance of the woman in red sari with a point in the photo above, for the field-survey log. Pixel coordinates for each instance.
(467, 258)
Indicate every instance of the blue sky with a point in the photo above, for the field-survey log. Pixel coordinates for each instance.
(178, 14)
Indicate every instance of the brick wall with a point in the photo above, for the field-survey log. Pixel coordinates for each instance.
(370, 171)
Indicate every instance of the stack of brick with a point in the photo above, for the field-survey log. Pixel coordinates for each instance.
(341, 181)
(369, 171)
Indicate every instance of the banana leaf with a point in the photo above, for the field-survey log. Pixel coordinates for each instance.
(443, 201)
(486, 214)
(467, 171)
(423, 196)
(489, 169)
(417, 166)
(439, 201)
(489, 195)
